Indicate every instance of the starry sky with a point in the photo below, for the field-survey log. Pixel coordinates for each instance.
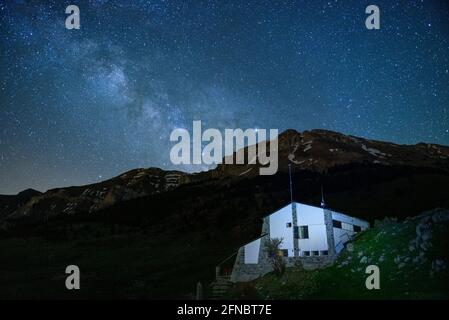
(81, 106)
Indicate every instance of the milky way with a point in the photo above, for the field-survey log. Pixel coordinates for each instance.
(79, 106)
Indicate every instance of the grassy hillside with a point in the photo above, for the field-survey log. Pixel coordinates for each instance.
(412, 256)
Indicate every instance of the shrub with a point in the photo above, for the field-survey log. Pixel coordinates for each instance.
(274, 254)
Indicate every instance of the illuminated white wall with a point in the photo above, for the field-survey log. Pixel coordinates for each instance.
(278, 228)
(251, 251)
(313, 217)
(351, 220)
(310, 216)
(317, 239)
(342, 235)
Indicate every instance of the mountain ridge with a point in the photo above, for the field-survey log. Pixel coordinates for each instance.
(317, 150)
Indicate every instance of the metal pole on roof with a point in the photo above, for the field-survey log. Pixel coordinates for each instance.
(323, 204)
(291, 183)
(294, 215)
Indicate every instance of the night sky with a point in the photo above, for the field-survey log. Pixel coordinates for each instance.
(80, 106)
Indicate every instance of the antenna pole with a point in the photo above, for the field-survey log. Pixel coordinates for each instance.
(291, 184)
(294, 216)
(323, 204)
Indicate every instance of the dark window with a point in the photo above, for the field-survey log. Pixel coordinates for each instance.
(289, 224)
(336, 224)
(316, 253)
(284, 252)
(306, 253)
(303, 232)
(324, 253)
(357, 229)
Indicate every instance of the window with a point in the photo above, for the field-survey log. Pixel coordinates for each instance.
(306, 253)
(301, 232)
(357, 229)
(289, 224)
(316, 253)
(336, 224)
(324, 253)
(304, 232)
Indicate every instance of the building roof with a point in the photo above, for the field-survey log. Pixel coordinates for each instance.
(317, 207)
(263, 235)
(289, 205)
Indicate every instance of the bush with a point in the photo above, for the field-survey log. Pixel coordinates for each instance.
(272, 248)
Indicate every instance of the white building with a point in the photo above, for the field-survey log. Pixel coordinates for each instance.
(311, 235)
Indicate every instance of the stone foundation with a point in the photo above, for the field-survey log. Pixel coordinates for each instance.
(312, 263)
(247, 272)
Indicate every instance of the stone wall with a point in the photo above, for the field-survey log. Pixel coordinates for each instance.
(246, 272)
(312, 263)
(329, 231)
(242, 272)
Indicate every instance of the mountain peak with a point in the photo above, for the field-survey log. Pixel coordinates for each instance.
(320, 150)
(29, 192)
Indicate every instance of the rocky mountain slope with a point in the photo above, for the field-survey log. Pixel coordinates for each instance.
(311, 151)
(10, 203)
(90, 198)
(321, 150)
